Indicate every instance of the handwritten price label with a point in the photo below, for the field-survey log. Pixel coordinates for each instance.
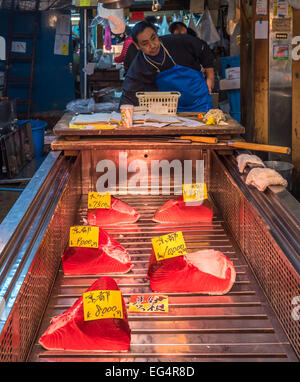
(96, 200)
(84, 236)
(98, 304)
(148, 303)
(170, 245)
(195, 192)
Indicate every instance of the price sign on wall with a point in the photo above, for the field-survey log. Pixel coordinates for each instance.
(99, 304)
(85, 3)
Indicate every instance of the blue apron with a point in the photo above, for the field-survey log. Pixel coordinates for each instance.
(190, 83)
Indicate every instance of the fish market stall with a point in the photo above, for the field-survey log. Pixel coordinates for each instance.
(251, 318)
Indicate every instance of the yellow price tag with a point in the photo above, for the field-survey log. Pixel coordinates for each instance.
(74, 126)
(96, 200)
(195, 192)
(85, 3)
(148, 303)
(84, 236)
(65, 49)
(170, 245)
(98, 304)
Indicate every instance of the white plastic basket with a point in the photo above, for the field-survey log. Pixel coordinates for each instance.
(159, 102)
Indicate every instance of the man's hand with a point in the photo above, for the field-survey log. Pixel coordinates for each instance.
(210, 79)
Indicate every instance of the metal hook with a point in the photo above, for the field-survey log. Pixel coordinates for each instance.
(155, 6)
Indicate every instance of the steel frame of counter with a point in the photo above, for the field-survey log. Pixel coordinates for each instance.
(20, 285)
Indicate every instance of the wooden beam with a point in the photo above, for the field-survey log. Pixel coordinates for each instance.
(247, 115)
(168, 5)
(296, 110)
(260, 56)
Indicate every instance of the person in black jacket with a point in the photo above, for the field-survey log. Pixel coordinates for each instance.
(170, 63)
(180, 28)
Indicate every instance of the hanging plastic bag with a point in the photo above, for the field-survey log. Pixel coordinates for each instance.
(164, 28)
(81, 106)
(207, 29)
(99, 19)
(294, 3)
(105, 61)
(107, 38)
(191, 24)
(115, 18)
(233, 16)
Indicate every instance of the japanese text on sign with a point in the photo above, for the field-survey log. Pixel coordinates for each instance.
(170, 245)
(148, 303)
(96, 200)
(84, 236)
(98, 304)
(195, 192)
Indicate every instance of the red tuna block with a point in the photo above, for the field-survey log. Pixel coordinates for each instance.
(207, 271)
(69, 331)
(118, 213)
(177, 211)
(110, 257)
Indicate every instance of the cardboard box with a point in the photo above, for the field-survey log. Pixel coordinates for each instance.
(230, 84)
(233, 73)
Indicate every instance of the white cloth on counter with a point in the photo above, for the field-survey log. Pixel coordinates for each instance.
(261, 178)
(191, 122)
(151, 124)
(91, 118)
(139, 119)
(147, 117)
(244, 160)
(152, 117)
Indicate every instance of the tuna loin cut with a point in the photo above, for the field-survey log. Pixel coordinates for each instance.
(177, 211)
(69, 331)
(110, 257)
(206, 271)
(119, 213)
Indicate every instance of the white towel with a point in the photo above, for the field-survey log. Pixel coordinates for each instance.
(243, 160)
(261, 178)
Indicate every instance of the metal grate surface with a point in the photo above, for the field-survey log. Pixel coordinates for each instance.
(268, 262)
(238, 326)
(280, 283)
(6, 345)
(24, 319)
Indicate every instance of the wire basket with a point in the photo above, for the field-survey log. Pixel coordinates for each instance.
(159, 102)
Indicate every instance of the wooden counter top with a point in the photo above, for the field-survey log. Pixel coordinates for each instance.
(233, 128)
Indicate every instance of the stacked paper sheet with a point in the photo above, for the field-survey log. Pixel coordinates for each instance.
(113, 120)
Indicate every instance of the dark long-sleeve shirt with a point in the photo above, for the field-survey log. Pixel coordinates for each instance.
(185, 50)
